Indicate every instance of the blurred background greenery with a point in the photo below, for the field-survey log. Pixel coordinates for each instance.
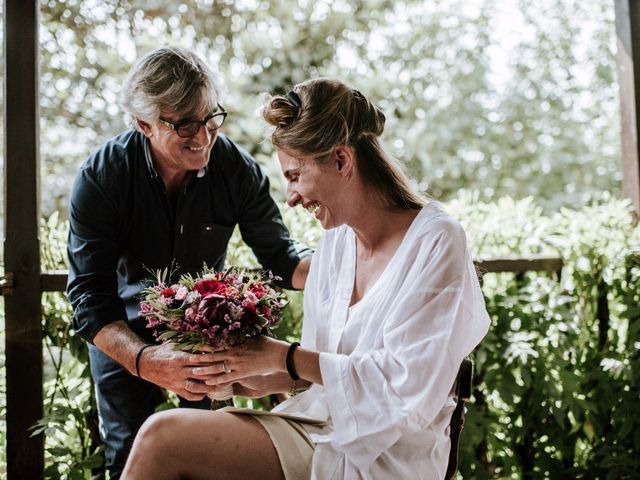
(507, 110)
(496, 96)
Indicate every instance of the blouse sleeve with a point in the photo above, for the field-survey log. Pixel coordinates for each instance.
(436, 320)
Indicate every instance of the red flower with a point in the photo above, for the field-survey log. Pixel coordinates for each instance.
(258, 290)
(168, 292)
(205, 287)
(249, 305)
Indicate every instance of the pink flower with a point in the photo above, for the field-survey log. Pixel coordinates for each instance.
(145, 308)
(190, 314)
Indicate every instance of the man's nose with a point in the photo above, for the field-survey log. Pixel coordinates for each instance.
(204, 138)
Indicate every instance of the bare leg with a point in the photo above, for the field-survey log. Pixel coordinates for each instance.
(197, 444)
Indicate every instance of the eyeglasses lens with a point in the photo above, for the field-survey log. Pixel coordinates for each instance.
(215, 122)
(189, 129)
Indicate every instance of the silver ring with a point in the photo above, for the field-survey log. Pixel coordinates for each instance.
(186, 384)
(224, 366)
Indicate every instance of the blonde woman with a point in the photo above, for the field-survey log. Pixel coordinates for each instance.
(392, 306)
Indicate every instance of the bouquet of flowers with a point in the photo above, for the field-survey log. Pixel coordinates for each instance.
(217, 309)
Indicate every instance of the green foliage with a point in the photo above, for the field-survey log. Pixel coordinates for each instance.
(557, 377)
(557, 374)
(70, 424)
(513, 98)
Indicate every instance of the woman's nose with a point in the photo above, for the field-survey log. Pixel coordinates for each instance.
(293, 197)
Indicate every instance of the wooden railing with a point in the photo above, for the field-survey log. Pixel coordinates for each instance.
(56, 280)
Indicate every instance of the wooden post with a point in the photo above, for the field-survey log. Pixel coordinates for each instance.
(628, 59)
(25, 455)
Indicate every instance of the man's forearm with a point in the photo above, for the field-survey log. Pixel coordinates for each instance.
(119, 342)
(299, 277)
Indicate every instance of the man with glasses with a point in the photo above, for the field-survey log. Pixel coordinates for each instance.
(168, 192)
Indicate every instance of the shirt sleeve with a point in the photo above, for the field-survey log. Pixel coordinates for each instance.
(437, 319)
(263, 230)
(93, 254)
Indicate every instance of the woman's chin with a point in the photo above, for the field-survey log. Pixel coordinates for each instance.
(328, 224)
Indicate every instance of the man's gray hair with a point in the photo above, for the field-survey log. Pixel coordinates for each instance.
(169, 80)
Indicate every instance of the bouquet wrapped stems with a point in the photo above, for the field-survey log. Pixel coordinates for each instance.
(222, 398)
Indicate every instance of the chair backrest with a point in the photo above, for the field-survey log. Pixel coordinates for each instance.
(462, 394)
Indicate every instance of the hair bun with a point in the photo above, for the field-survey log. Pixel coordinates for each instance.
(281, 112)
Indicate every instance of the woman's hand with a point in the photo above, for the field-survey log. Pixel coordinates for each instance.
(260, 386)
(256, 357)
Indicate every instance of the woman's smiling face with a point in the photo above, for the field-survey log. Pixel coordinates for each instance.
(316, 188)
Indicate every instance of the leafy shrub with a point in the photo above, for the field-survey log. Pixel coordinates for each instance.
(557, 377)
(557, 382)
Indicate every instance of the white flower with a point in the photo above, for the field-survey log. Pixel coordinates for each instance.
(182, 292)
(193, 296)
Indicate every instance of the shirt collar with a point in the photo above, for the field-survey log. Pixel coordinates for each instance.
(147, 156)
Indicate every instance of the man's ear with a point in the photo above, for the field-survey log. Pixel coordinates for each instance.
(345, 160)
(144, 127)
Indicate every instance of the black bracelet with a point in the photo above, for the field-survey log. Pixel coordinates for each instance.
(290, 368)
(138, 355)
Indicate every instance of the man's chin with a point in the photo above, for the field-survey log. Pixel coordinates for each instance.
(196, 162)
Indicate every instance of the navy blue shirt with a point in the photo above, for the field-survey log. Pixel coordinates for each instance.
(123, 224)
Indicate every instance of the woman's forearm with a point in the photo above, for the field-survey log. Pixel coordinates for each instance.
(307, 365)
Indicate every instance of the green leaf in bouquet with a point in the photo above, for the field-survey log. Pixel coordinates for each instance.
(92, 461)
(168, 335)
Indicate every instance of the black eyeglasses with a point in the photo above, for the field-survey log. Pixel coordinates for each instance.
(189, 128)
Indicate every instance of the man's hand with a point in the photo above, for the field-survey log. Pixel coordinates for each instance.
(172, 369)
(162, 365)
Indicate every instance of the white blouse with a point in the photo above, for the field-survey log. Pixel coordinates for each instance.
(388, 372)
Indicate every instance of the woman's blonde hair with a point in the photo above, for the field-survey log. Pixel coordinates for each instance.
(321, 114)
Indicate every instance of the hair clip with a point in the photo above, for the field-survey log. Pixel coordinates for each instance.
(357, 94)
(294, 98)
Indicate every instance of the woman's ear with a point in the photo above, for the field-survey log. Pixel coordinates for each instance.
(345, 160)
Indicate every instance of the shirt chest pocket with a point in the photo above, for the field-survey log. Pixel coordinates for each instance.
(212, 246)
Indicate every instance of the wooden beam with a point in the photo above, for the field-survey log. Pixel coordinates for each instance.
(534, 263)
(628, 60)
(23, 335)
(54, 280)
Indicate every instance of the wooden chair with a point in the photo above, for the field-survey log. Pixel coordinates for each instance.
(462, 394)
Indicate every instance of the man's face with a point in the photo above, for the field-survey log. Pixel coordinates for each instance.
(172, 153)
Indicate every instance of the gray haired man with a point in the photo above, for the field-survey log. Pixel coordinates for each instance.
(169, 191)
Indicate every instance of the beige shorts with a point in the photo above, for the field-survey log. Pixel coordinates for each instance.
(294, 447)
